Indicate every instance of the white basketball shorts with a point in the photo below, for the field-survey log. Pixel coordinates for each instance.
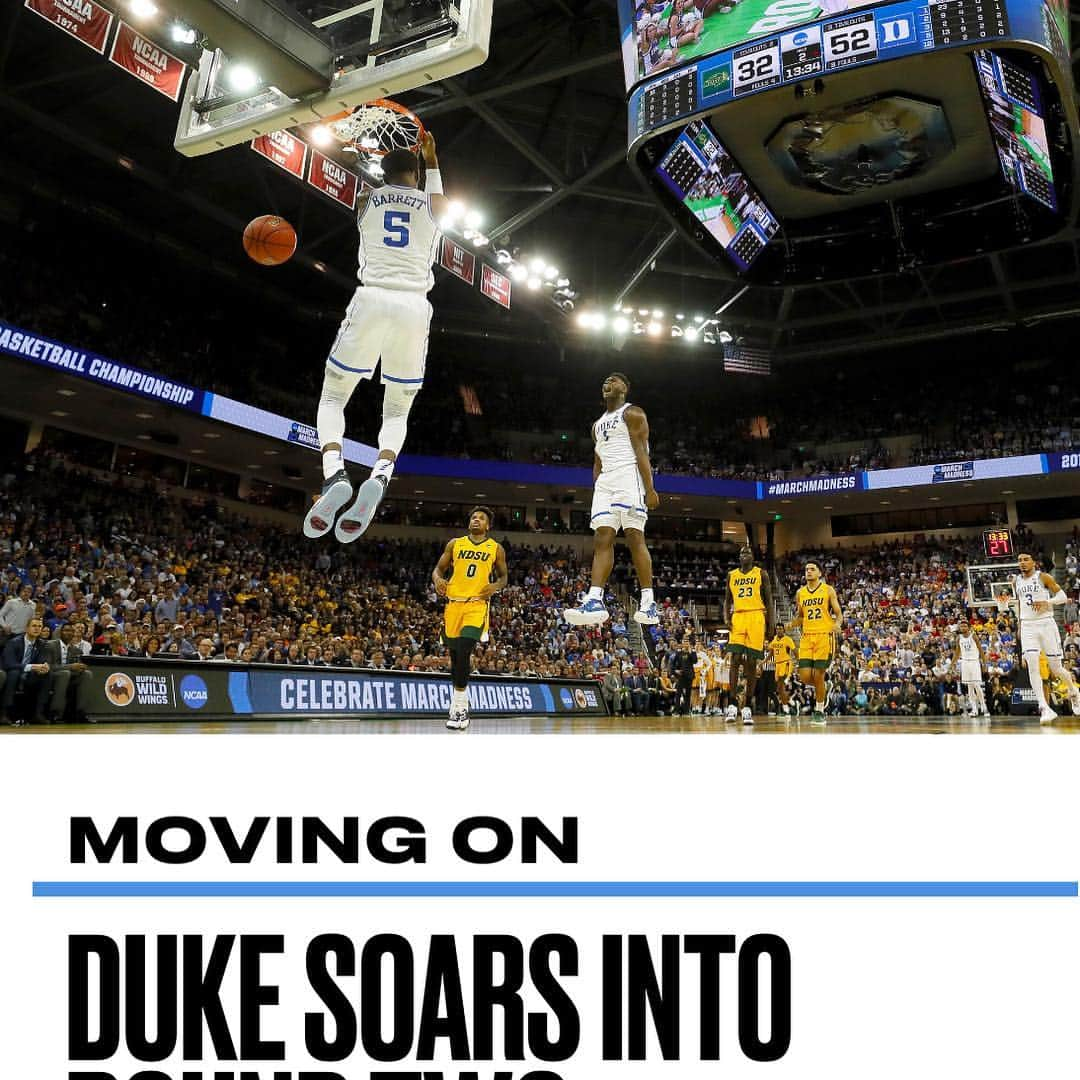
(390, 325)
(970, 672)
(1040, 635)
(619, 501)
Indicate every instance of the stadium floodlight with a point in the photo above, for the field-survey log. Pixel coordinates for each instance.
(643, 311)
(680, 316)
(551, 273)
(446, 223)
(456, 210)
(536, 264)
(699, 318)
(620, 324)
(657, 313)
(691, 333)
(585, 319)
(469, 234)
(480, 240)
(534, 283)
(182, 35)
(474, 219)
(518, 272)
(654, 328)
(143, 9)
(242, 78)
(321, 135)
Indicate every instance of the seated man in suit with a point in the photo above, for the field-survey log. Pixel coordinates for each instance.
(26, 664)
(67, 672)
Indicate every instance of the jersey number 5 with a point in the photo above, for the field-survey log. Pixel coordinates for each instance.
(396, 224)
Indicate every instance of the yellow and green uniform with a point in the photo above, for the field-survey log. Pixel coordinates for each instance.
(471, 565)
(783, 651)
(816, 643)
(747, 612)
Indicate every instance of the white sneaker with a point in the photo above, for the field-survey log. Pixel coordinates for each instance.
(747, 715)
(354, 522)
(590, 612)
(1047, 716)
(732, 714)
(336, 492)
(647, 616)
(458, 720)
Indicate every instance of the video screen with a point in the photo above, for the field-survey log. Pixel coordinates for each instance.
(1014, 109)
(704, 176)
(663, 34)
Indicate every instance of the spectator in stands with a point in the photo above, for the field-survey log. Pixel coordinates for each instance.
(17, 612)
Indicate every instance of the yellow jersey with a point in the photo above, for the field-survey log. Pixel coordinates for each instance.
(746, 590)
(783, 649)
(816, 616)
(471, 568)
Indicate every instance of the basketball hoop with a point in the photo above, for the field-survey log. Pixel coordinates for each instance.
(375, 128)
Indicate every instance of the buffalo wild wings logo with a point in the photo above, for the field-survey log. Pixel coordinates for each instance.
(119, 689)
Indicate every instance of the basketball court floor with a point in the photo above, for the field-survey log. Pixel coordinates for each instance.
(586, 725)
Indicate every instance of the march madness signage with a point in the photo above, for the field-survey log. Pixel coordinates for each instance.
(82, 19)
(284, 150)
(495, 286)
(333, 179)
(458, 261)
(149, 63)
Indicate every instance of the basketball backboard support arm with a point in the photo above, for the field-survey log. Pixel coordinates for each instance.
(212, 119)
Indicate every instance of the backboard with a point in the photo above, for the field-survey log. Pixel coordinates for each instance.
(986, 583)
(265, 66)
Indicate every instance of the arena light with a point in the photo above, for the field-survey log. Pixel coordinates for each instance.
(534, 283)
(691, 333)
(143, 9)
(321, 135)
(620, 324)
(182, 35)
(469, 234)
(474, 219)
(657, 313)
(502, 257)
(654, 328)
(456, 210)
(551, 273)
(242, 78)
(518, 272)
(725, 337)
(479, 240)
(536, 265)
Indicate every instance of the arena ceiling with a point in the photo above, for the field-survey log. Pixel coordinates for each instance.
(536, 138)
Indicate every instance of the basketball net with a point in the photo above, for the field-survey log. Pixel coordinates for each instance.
(375, 128)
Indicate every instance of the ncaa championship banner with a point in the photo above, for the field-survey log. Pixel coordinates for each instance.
(182, 690)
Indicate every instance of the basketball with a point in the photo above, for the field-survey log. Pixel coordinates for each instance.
(269, 240)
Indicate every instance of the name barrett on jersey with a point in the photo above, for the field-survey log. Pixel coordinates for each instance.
(398, 198)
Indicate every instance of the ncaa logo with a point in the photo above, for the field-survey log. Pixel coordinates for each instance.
(800, 37)
(119, 689)
(895, 31)
(566, 698)
(193, 692)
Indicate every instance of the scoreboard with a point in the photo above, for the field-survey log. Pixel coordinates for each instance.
(998, 544)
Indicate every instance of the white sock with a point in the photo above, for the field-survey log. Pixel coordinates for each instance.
(332, 462)
(460, 700)
(384, 469)
(646, 598)
(596, 592)
(819, 706)
(980, 698)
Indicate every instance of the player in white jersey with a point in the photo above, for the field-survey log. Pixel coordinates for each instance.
(968, 655)
(1035, 596)
(385, 325)
(623, 495)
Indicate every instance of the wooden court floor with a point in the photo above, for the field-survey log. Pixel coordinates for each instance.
(554, 725)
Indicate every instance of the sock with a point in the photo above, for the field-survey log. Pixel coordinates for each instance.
(460, 700)
(973, 697)
(332, 462)
(646, 598)
(384, 469)
(596, 592)
(980, 697)
(819, 706)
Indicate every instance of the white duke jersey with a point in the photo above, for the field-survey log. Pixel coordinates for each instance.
(969, 649)
(1030, 590)
(612, 438)
(398, 239)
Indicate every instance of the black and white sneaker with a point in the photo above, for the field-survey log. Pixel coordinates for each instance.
(336, 492)
(354, 522)
(458, 720)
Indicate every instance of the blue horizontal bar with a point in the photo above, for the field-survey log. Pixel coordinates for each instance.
(559, 888)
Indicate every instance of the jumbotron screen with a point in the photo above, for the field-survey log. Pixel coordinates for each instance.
(703, 175)
(658, 35)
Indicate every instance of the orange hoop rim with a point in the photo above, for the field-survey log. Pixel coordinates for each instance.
(378, 103)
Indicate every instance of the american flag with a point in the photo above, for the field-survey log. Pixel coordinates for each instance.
(743, 359)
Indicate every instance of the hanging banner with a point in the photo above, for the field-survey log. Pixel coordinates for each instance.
(284, 150)
(495, 286)
(148, 62)
(333, 179)
(458, 261)
(82, 19)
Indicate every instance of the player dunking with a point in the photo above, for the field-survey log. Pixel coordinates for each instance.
(748, 611)
(1036, 596)
(623, 495)
(386, 322)
(818, 613)
(968, 654)
(469, 572)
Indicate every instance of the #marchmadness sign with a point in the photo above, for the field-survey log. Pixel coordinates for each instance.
(163, 689)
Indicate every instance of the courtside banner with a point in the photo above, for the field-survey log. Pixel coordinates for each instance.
(458, 261)
(68, 360)
(82, 19)
(485, 907)
(284, 150)
(148, 62)
(184, 690)
(333, 180)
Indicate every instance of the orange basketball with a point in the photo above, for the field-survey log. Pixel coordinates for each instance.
(270, 240)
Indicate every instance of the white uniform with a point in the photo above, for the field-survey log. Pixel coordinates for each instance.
(619, 495)
(389, 316)
(970, 665)
(1038, 630)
